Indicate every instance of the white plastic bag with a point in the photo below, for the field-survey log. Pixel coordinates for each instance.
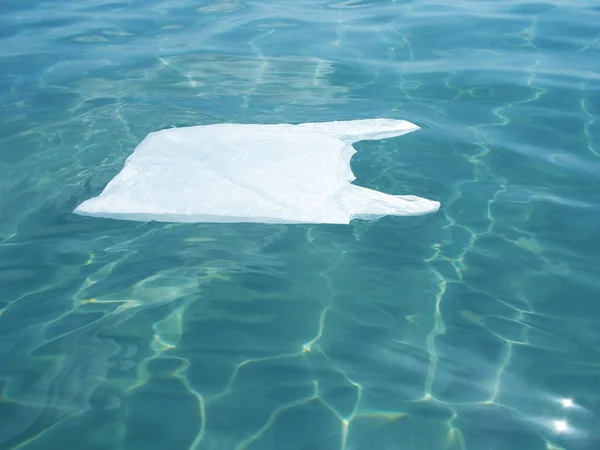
(252, 173)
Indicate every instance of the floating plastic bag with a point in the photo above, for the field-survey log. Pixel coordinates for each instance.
(252, 173)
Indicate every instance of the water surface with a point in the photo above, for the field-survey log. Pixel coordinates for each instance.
(474, 328)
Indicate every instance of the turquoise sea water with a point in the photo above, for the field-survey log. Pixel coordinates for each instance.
(475, 328)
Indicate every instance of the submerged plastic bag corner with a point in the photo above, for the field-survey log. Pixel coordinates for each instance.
(252, 173)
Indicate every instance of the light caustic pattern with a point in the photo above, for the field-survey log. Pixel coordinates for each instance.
(462, 330)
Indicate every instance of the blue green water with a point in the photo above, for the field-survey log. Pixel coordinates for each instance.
(475, 328)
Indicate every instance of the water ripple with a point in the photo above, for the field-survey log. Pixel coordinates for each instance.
(468, 329)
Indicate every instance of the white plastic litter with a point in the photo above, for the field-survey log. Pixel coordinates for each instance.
(252, 173)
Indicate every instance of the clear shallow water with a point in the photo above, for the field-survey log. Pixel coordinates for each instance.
(466, 329)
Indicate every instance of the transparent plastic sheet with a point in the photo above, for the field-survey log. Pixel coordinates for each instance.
(252, 173)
